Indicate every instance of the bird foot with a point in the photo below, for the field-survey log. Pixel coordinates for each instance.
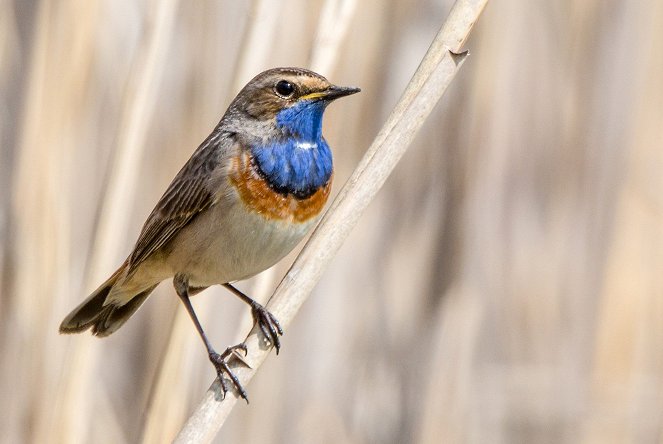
(220, 362)
(268, 324)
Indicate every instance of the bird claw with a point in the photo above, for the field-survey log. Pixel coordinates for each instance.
(234, 352)
(220, 362)
(268, 324)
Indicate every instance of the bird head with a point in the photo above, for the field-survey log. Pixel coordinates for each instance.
(290, 100)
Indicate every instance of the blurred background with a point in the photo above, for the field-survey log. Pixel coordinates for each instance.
(506, 286)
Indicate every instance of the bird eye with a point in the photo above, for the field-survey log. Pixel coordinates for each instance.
(284, 89)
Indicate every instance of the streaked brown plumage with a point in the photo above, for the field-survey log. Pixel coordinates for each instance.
(234, 209)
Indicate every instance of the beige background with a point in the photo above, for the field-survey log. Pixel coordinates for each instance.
(506, 285)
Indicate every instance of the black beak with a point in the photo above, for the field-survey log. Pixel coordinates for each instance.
(334, 92)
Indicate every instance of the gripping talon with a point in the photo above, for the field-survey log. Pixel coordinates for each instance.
(234, 351)
(222, 368)
(265, 330)
(268, 324)
(241, 346)
(224, 384)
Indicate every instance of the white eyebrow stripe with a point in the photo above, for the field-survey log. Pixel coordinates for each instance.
(306, 145)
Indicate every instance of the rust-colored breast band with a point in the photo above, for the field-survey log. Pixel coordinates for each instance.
(257, 195)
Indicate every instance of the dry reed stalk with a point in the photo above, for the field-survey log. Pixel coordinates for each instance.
(9, 54)
(166, 406)
(536, 184)
(447, 390)
(332, 29)
(551, 159)
(41, 199)
(114, 217)
(258, 40)
(626, 367)
(435, 72)
(164, 401)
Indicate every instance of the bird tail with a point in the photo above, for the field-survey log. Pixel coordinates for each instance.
(103, 318)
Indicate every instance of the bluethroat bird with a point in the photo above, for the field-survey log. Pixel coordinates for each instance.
(245, 198)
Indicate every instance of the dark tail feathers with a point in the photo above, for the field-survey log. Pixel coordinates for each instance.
(102, 319)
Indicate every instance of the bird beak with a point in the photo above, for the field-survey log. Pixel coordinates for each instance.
(334, 92)
(331, 93)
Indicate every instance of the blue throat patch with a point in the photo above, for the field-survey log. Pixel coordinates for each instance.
(300, 163)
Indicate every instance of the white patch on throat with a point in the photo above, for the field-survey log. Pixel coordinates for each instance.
(306, 145)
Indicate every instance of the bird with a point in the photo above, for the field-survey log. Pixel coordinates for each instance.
(245, 198)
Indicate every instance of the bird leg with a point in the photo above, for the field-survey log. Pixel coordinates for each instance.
(219, 361)
(268, 324)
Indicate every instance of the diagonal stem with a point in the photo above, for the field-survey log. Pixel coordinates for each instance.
(437, 69)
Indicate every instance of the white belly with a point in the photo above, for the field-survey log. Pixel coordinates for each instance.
(229, 243)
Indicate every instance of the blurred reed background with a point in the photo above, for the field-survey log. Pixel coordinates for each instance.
(506, 285)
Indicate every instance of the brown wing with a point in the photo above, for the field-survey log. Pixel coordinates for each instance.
(191, 192)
